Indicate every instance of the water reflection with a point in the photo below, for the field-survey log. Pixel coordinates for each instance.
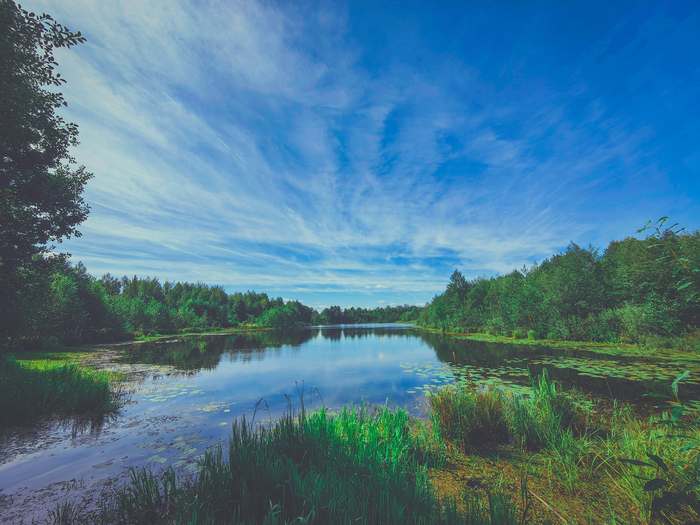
(186, 391)
(204, 352)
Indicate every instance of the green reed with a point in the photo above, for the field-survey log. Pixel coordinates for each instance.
(50, 388)
(358, 466)
(542, 419)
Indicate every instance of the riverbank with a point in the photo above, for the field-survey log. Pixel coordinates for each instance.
(633, 350)
(31, 390)
(479, 458)
(61, 383)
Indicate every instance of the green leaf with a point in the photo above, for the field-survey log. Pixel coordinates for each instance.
(677, 413)
(654, 484)
(674, 385)
(687, 447)
(656, 394)
(684, 286)
(660, 462)
(635, 462)
(665, 500)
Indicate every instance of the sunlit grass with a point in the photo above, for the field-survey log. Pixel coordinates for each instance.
(30, 390)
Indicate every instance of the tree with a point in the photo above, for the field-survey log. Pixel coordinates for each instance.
(40, 193)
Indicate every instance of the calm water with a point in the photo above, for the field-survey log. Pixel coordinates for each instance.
(187, 391)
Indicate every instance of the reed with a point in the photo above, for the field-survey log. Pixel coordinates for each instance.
(50, 388)
(357, 466)
(476, 419)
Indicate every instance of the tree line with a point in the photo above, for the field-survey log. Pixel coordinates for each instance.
(69, 306)
(637, 291)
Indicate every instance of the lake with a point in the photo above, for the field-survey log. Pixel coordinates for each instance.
(185, 392)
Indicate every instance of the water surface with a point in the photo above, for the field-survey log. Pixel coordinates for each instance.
(186, 391)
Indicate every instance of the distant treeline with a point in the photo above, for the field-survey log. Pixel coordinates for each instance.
(63, 304)
(638, 291)
(388, 314)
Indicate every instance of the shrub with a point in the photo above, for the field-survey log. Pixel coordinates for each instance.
(531, 334)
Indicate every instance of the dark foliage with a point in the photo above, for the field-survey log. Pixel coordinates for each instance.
(40, 193)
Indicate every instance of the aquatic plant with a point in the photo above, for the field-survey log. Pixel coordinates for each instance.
(50, 388)
(358, 466)
(540, 419)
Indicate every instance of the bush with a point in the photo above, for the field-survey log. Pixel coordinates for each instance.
(531, 334)
(518, 334)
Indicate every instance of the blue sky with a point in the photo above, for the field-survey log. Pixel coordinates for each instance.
(356, 153)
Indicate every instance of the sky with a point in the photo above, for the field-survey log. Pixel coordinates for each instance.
(357, 153)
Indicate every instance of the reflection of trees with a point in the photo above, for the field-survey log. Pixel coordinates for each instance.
(185, 353)
(475, 353)
(358, 332)
(205, 351)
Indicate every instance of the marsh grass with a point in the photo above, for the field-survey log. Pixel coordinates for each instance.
(49, 388)
(357, 466)
(572, 450)
(477, 419)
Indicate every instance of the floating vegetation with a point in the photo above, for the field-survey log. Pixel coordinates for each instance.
(510, 374)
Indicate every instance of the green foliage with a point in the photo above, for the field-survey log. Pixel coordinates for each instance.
(683, 423)
(52, 388)
(470, 419)
(638, 291)
(40, 194)
(476, 419)
(387, 314)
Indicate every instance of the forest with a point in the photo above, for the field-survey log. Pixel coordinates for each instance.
(637, 291)
(63, 304)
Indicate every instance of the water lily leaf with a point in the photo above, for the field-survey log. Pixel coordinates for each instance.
(635, 462)
(654, 484)
(660, 462)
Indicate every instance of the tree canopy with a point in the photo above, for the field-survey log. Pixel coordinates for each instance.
(41, 193)
(40, 188)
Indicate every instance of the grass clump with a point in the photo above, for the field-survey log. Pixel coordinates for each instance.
(474, 419)
(470, 419)
(358, 466)
(52, 388)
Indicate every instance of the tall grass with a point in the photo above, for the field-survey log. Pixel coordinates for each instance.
(52, 389)
(476, 419)
(357, 466)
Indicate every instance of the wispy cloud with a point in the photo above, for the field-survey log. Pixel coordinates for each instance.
(277, 146)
